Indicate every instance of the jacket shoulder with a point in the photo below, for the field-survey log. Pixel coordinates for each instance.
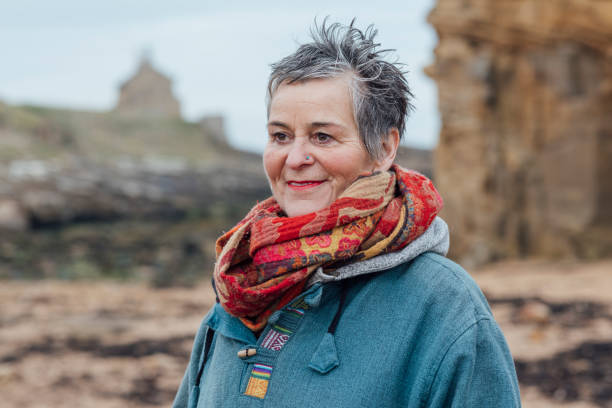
(442, 286)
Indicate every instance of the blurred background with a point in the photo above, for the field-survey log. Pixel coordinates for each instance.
(131, 136)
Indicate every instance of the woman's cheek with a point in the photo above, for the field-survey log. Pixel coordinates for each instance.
(268, 162)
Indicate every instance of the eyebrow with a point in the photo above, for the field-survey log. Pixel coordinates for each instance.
(324, 124)
(313, 124)
(277, 123)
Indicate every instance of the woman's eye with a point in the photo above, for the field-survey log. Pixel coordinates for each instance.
(280, 137)
(323, 138)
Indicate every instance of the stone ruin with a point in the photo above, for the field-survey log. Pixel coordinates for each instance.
(214, 125)
(148, 93)
(524, 161)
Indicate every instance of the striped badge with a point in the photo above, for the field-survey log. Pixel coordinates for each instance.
(274, 340)
(258, 382)
(296, 312)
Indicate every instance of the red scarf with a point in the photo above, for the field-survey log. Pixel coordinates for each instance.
(265, 260)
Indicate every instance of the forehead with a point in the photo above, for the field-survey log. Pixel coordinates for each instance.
(321, 99)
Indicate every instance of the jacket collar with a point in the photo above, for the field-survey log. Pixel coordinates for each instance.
(230, 326)
(434, 239)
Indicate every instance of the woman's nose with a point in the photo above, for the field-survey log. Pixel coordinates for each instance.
(298, 155)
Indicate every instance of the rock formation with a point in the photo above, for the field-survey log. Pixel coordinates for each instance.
(525, 154)
(83, 191)
(101, 194)
(58, 167)
(148, 93)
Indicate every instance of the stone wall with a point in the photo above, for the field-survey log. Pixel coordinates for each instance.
(525, 153)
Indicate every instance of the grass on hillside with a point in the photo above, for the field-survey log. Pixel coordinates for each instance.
(34, 132)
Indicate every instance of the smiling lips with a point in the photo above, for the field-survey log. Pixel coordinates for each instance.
(303, 185)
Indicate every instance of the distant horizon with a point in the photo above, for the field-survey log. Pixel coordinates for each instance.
(53, 53)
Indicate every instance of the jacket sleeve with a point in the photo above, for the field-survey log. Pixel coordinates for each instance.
(477, 370)
(181, 400)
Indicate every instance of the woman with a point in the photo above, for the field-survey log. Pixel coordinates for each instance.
(335, 292)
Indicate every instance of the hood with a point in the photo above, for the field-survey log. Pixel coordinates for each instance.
(434, 239)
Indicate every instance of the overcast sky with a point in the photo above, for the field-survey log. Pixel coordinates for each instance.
(75, 53)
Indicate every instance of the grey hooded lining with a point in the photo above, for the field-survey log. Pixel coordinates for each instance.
(434, 239)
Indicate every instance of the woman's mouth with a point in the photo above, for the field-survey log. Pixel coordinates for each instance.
(303, 185)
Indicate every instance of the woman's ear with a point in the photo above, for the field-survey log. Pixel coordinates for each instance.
(390, 144)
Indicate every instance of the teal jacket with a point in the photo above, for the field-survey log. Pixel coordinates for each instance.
(418, 335)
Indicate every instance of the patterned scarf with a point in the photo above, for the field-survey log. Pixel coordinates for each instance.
(266, 259)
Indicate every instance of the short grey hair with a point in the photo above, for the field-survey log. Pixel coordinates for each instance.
(381, 95)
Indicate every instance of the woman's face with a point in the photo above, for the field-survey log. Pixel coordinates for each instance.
(314, 151)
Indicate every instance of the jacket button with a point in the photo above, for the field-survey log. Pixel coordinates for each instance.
(247, 353)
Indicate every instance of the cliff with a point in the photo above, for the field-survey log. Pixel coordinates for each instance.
(525, 153)
(91, 194)
(60, 166)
